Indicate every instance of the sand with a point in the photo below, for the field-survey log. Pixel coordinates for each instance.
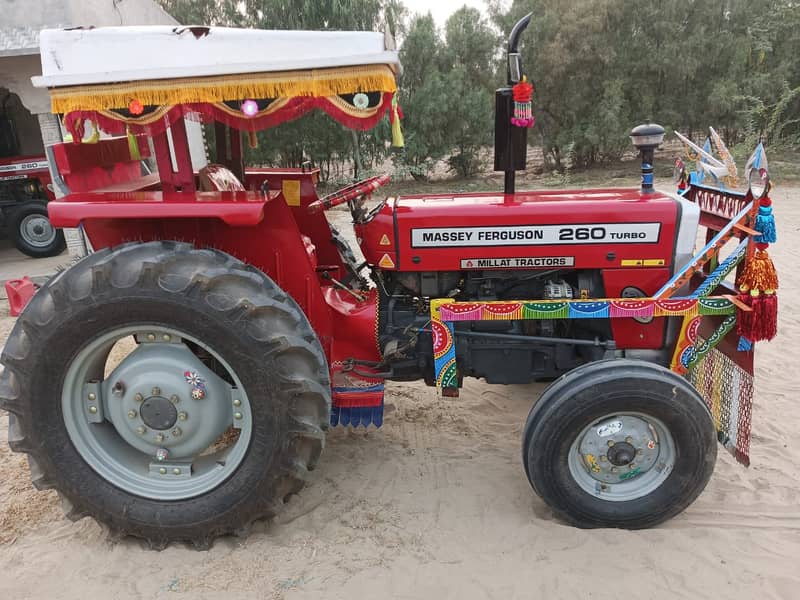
(436, 505)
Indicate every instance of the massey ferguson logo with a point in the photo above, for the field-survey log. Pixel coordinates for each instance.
(536, 235)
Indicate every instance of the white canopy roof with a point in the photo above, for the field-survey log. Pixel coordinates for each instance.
(117, 54)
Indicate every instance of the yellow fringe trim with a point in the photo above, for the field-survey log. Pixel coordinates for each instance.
(315, 83)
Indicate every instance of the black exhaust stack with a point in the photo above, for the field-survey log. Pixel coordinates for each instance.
(510, 141)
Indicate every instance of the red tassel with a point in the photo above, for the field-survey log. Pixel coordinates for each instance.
(761, 322)
(744, 318)
(767, 317)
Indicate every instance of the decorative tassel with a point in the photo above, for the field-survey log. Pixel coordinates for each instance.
(760, 323)
(523, 107)
(94, 137)
(745, 345)
(395, 114)
(133, 145)
(252, 139)
(765, 223)
(759, 272)
(744, 318)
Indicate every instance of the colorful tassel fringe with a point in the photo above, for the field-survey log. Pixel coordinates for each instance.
(523, 107)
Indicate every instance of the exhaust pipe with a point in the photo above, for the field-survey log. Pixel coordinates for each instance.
(510, 142)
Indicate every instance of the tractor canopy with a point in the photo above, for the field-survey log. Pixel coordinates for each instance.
(143, 79)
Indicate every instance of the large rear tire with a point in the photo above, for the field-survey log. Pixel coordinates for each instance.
(223, 358)
(619, 443)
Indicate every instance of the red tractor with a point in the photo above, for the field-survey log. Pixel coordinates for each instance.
(25, 190)
(177, 383)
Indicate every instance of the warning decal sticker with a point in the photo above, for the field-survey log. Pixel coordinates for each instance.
(533, 262)
(536, 235)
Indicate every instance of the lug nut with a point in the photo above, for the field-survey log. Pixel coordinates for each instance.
(141, 430)
(93, 409)
(603, 458)
(611, 443)
(163, 471)
(92, 396)
(174, 399)
(629, 439)
(632, 465)
(237, 402)
(177, 431)
(237, 415)
(131, 414)
(183, 416)
(166, 337)
(639, 452)
(176, 471)
(159, 437)
(156, 391)
(151, 337)
(138, 397)
(614, 469)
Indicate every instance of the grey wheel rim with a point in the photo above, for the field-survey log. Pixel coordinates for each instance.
(622, 457)
(37, 231)
(153, 426)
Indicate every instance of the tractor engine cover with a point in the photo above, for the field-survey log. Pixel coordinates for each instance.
(588, 229)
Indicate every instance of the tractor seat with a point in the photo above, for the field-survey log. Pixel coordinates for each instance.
(219, 178)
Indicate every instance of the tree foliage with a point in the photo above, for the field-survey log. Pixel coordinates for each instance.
(599, 67)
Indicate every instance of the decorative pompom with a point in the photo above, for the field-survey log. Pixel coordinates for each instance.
(759, 273)
(135, 107)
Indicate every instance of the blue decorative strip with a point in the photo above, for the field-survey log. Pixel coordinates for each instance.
(721, 272)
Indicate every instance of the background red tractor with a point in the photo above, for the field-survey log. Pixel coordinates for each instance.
(25, 190)
(177, 383)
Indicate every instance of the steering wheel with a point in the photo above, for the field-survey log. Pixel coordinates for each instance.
(350, 192)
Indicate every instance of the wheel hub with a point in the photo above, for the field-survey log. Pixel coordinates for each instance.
(37, 231)
(617, 450)
(159, 413)
(621, 454)
(154, 408)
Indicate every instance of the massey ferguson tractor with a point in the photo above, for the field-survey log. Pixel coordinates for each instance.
(177, 383)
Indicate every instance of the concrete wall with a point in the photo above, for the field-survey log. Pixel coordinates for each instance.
(121, 12)
(76, 13)
(26, 13)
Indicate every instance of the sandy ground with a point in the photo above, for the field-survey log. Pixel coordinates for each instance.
(436, 505)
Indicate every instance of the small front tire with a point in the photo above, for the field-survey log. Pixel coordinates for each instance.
(33, 234)
(619, 443)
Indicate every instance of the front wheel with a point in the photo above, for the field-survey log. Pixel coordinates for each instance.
(33, 234)
(174, 394)
(619, 443)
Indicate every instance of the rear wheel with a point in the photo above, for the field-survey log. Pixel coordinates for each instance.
(174, 394)
(619, 443)
(33, 234)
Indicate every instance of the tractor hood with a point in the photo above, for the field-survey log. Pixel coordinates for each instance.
(586, 229)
